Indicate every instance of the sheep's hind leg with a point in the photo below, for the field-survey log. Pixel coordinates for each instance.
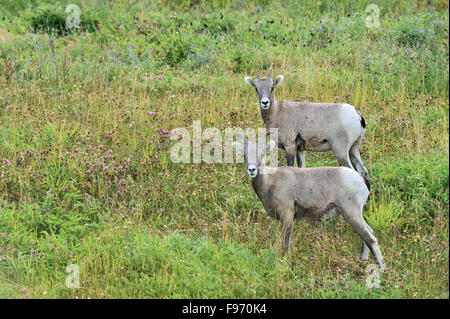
(365, 249)
(355, 158)
(343, 156)
(355, 219)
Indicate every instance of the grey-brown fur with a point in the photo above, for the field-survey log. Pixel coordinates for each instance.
(311, 126)
(288, 193)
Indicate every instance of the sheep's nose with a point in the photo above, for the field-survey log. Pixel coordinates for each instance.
(265, 103)
(252, 170)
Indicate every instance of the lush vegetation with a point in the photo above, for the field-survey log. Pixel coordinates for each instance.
(85, 172)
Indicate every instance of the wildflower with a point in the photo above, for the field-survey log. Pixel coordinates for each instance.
(7, 162)
(394, 226)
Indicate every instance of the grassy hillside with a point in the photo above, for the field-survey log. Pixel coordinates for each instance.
(85, 172)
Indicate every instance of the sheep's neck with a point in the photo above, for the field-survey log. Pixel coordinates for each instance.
(259, 182)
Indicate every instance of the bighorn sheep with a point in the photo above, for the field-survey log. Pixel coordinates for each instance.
(316, 127)
(319, 193)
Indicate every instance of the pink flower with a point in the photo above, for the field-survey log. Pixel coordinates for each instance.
(394, 226)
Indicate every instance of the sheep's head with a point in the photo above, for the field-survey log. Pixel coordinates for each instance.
(264, 87)
(253, 153)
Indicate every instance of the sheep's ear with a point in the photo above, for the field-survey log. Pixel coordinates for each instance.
(270, 145)
(278, 80)
(250, 81)
(239, 148)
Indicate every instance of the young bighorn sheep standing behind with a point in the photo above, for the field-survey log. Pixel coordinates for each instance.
(316, 127)
(319, 193)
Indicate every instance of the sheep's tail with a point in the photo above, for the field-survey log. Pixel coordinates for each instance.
(362, 120)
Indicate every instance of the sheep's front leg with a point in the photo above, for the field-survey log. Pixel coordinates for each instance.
(301, 160)
(291, 150)
(287, 222)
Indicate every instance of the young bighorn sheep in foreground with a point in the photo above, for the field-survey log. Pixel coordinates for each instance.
(316, 127)
(318, 193)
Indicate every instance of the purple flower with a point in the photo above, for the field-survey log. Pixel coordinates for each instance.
(151, 113)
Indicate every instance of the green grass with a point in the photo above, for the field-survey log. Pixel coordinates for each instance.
(85, 172)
